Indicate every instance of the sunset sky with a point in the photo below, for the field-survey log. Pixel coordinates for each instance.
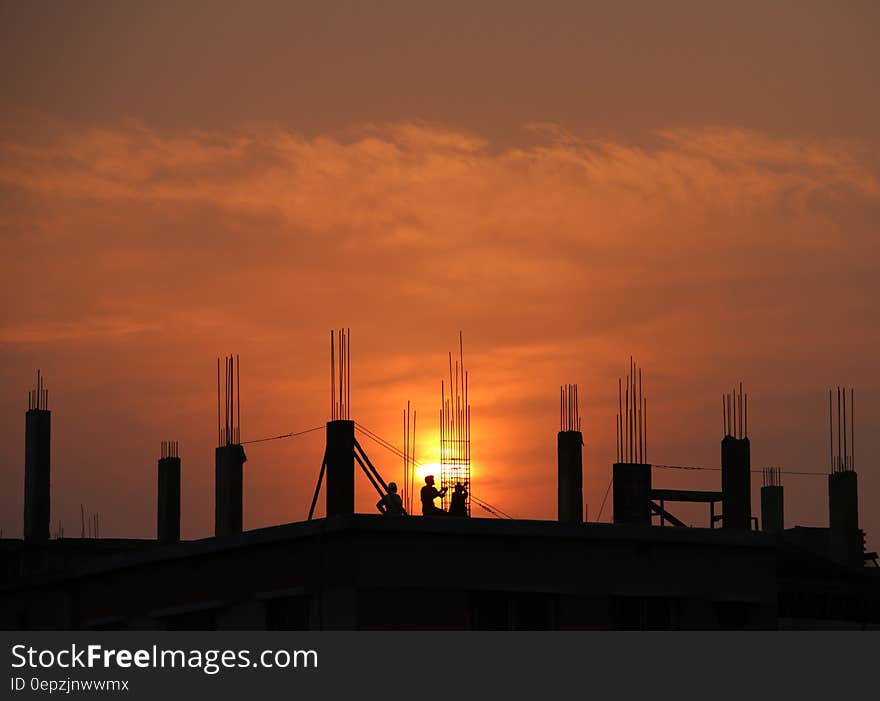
(568, 184)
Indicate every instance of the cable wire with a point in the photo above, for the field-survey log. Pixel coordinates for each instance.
(718, 469)
(282, 436)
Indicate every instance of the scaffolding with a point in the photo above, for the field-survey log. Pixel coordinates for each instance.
(455, 430)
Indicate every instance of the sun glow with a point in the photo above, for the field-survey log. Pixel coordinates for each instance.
(425, 469)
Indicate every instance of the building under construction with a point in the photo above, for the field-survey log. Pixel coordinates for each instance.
(644, 570)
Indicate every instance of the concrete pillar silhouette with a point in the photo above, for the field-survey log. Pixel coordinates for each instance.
(772, 508)
(168, 502)
(632, 493)
(340, 467)
(570, 479)
(37, 460)
(228, 487)
(843, 507)
(736, 483)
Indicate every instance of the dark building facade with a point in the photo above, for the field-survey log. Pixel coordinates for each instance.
(372, 572)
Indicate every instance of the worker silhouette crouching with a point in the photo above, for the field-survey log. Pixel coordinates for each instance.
(391, 504)
(458, 501)
(429, 493)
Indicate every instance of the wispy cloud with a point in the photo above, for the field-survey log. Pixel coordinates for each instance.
(75, 330)
(707, 252)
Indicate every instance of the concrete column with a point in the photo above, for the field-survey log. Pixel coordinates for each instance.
(340, 467)
(37, 458)
(570, 479)
(736, 483)
(843, 517)
(772, 511)
(168, 506)
(228, 486)
(632, 493)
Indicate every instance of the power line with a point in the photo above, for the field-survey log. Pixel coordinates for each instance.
(282, 436)
(718, 469)
(382, 442)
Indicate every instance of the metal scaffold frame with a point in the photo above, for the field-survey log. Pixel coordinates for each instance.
(455, 430)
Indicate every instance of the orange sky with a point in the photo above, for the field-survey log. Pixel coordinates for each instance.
(697, 187)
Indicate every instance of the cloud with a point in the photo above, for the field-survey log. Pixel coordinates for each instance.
(132, 223)
(137, 256)
(273, 170)
(80, 329)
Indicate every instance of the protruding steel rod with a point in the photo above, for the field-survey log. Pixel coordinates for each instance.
(412, 461)
(845, 455)
(331, 374)
(219, 430)
(730, 416)
(830, 434)
(838, 426)
(628, 432)
(348, 375)
(238, 392)
(225, 400)
(641, 444)
(617, 436)
(620, 419)
(740, 409)
(632, 411)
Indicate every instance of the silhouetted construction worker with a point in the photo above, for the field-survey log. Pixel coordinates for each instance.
(458, 501)
(391, 504)
(429, 493)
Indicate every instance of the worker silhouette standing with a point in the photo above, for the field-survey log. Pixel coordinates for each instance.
(391, 504)
(429, 493)
(458, 501)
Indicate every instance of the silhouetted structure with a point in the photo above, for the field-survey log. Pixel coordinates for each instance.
(229, 456)
(345, 571)
(845, 537)
(409, 456)
(343, 450)
(736, 464)
(455, 428)
(340, 467)
(569, 454)
(168, 501)
(37, 461)
(772, 504)
(228, 489)
(843, 517)
(631, 476)
(349, 572)
(632, 493)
